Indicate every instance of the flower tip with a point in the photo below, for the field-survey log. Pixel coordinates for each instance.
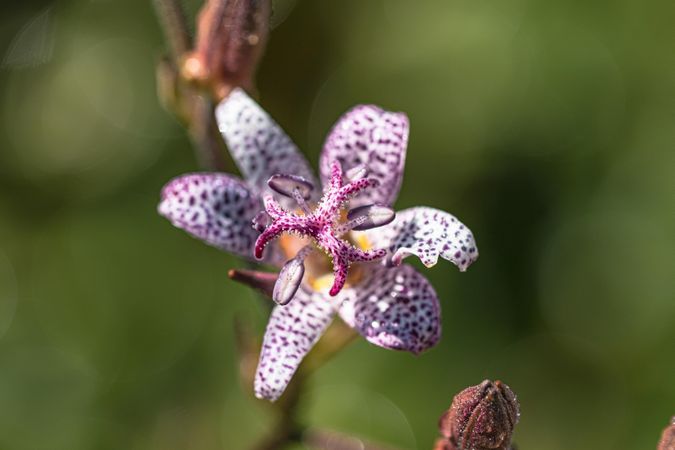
(267, 393)
(162, 208)
(397, 258)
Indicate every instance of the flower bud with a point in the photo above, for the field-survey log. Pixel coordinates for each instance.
(481, 417)
(668, 437)
(231, 36)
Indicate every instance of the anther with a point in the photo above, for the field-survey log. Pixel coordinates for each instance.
(369, 216)
(290, 277)
(286, 184)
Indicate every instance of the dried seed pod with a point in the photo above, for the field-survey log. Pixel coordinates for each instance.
(231, 37)
(481, 417)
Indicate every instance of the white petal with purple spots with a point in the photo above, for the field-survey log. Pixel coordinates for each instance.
(214, 207)
(291, 332)
(395, 308)
(257, 144)
(370, 136)
(427, 233)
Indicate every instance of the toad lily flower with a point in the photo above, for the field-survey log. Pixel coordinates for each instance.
(340, 250)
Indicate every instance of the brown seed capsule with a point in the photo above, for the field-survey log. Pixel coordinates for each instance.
(481, 417)
(231, 36)
(668, 437)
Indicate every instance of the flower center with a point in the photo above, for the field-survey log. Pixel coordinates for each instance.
(324, 225)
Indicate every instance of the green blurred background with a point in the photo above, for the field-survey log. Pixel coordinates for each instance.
(547, 127)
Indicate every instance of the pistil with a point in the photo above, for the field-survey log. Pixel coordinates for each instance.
(322, 224)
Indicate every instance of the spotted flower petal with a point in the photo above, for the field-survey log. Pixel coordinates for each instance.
(395, 308)
(258, 145)
(371, 137)
(427, 233)
(214, 207)
(292, 331)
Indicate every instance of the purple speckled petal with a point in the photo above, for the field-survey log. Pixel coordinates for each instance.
(214, 207)
(427, 233)
(291, 332)
(370, 136)
(257, 144)
(395, 308)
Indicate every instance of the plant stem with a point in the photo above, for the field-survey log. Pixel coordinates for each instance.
(209, 146)
(174, 25)
(192, 106)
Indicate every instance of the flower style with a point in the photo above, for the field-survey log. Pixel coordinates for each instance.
(350, 223)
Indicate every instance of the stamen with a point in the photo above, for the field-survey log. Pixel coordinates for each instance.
(286, 184)
(370, 216)
(290, 277)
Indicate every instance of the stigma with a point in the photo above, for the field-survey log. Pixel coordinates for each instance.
(323, 223)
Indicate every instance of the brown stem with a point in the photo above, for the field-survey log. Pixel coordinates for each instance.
(287, 429)
(204, 133)
(192, 105)
(174, 25)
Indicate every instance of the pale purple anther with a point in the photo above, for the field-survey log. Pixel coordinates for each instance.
(321, 224)
(286, 185)
(370, 216)
(290, 278)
